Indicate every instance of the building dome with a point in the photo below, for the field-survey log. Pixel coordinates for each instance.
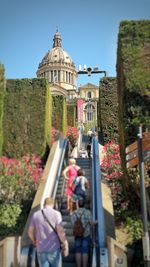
(57, 55)
(58, 67)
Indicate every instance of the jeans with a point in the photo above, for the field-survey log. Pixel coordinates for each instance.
(82, 244)
(50, 259)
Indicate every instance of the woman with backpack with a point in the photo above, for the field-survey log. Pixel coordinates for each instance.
(80, 186)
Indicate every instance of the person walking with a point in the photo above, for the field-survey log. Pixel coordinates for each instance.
(82, 243)
(89, 149)
(80, 186)
(69, 173)
(43, 233)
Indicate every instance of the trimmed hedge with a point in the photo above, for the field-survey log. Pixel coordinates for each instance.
(108, 109)
(59, 113)
(2, 91)
(133, 75)
(26, 121)
(71, 115)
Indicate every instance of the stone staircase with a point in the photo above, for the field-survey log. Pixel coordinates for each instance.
(85, 164)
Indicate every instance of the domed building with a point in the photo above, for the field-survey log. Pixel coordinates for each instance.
(59, 69)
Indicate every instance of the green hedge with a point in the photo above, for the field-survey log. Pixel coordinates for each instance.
(71, 115)
(108, 109)
(48, 118)
(59, 113)
(133, 75)
(25, 125)
(2, 90)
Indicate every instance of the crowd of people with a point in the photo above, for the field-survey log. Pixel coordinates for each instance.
(45, 223)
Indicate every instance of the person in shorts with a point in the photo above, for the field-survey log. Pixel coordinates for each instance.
(82, 244)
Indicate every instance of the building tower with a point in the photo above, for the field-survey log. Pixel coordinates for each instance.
(59, 69)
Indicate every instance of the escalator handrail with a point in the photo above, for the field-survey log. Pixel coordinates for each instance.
(97, 206)
(61, 163)
(58, 154)
(98, 195)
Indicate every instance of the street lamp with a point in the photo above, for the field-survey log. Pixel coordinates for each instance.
(89, 71)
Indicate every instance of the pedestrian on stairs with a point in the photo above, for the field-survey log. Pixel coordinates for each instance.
(80, 186)
(43, 232)
(82, 243)
(88, 148)
(69, 173)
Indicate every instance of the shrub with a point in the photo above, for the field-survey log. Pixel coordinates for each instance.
(19, 180)
(134, 227)
(72, 135)
(111, 170)
(54, 135)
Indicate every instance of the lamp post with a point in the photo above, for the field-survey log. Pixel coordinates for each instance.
(89, 71)
(145, 238)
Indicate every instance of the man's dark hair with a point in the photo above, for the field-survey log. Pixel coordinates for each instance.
(81, 202)
(80, 172)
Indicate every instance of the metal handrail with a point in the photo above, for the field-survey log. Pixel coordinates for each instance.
(28, 257)
(93, 261)
(63, 146)
(100, 252)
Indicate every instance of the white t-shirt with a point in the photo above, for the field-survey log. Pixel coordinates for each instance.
(83, 180)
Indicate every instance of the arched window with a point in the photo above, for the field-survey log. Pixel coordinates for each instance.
(89, 94)
(58, 75)
(51, 76)
(55, 77)
(89, 112)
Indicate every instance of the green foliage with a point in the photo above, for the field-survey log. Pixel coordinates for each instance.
(137, 110)
(133, 79)
(71, 115)
(72, 135)
(9, 214)
(64, 120)
(134, 227)
(108, 109)
(59, 116)
(24, 117)
(112, 173)
(48, 115)
(19, 180)
(2, 91)
(55, 134)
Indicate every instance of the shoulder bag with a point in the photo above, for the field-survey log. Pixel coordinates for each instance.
(61, 235)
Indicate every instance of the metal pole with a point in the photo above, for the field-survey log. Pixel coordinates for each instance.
(145, 239)
(99, 119)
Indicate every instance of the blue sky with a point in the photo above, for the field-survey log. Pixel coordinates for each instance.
(88, 29)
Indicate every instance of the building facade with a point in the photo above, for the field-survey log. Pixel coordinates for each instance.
(60, 71)
(87, 97)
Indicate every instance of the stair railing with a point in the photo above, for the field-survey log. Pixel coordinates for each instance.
(47, 187)
(62, 163)
(100, 252)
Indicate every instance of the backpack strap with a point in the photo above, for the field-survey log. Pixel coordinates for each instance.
(80, 215)
(80, 218)
(46, 219)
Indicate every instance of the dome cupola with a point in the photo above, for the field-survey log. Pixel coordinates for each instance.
(58, 67)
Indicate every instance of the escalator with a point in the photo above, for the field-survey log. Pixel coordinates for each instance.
(54, 186)
(85, 164)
